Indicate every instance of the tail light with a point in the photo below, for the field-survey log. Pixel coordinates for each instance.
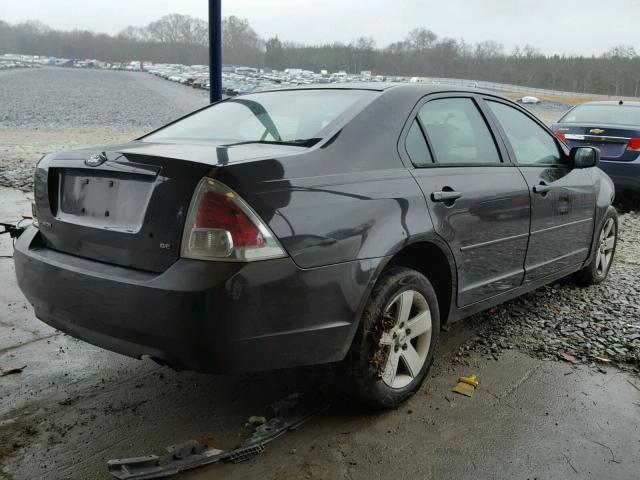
(221, 226)
(634, 145)
(561, 136)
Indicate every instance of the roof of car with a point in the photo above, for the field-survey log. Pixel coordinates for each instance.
(414, 88)
(614, 103)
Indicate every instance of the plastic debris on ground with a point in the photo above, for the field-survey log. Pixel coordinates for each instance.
(568, 357)
(466, 385)
(290, 413)
(603, 360)
(6, 370)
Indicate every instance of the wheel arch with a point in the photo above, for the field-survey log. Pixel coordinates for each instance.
(434, 260)
(431, 257)
(605, 196)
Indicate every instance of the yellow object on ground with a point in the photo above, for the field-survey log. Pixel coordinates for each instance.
(466, 385)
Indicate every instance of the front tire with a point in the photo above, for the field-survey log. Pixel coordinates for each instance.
(598, 270)
(396, 340)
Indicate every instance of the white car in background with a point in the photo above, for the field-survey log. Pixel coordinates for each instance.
(530, 100)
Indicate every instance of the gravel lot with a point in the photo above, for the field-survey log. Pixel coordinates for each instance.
(52, 109)
(60, 97)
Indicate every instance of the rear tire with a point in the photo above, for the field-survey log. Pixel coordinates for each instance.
(396, 340)
(598, 270)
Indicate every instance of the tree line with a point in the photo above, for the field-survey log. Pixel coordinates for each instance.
(184, 39)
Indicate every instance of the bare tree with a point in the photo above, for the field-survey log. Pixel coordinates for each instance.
(183, 39)
(176, 28)
(240, 42)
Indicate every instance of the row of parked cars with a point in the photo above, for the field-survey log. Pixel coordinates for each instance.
(242, 80)
(6, 64)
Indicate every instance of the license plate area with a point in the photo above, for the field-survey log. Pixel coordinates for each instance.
(608, 150)
(103, 199)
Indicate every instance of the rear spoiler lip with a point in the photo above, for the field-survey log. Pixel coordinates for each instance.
(111, 165)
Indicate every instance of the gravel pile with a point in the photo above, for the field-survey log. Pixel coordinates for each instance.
(17, 176)
(596, 325)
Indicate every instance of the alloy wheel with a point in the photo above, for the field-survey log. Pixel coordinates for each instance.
(407, 338)
(606, 244)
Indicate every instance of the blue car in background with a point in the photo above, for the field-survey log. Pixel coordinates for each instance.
(614, 128)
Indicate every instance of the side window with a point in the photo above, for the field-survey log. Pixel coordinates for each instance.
(457, 132)
(531, 143)
(416, 146)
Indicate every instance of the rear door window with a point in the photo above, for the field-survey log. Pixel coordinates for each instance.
(532, 144)
(457, 132)
(416, 146)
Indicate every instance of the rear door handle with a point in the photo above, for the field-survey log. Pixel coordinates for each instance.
(445, 196)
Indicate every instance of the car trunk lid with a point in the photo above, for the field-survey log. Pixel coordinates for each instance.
(613, 143)
(130, 208)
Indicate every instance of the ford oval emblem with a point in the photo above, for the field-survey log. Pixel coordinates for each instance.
(95, 160)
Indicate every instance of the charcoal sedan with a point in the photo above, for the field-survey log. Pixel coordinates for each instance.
(342, 225)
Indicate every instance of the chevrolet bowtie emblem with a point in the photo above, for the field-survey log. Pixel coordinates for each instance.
(597, 131)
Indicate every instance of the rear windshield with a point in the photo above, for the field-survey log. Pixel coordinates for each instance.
(612, 114)
(295, 116)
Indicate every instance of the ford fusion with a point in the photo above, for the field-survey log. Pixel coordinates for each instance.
(313, 226)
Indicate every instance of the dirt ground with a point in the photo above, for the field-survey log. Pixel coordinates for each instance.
(74, 406)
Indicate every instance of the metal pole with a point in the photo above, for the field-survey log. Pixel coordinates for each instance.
(215, 50)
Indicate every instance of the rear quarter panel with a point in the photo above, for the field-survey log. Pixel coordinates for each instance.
(354, 216)
(328, 219)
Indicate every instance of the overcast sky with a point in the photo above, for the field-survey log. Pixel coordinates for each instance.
(568, 26)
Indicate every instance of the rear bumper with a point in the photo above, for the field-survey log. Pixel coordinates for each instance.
(197, 315)
(625, 175)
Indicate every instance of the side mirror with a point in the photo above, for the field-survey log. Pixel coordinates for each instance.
(584, 157)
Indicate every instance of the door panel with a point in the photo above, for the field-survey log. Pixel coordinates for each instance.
(487, 227)
(563, 199)
(479, 205)
(562, 218)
